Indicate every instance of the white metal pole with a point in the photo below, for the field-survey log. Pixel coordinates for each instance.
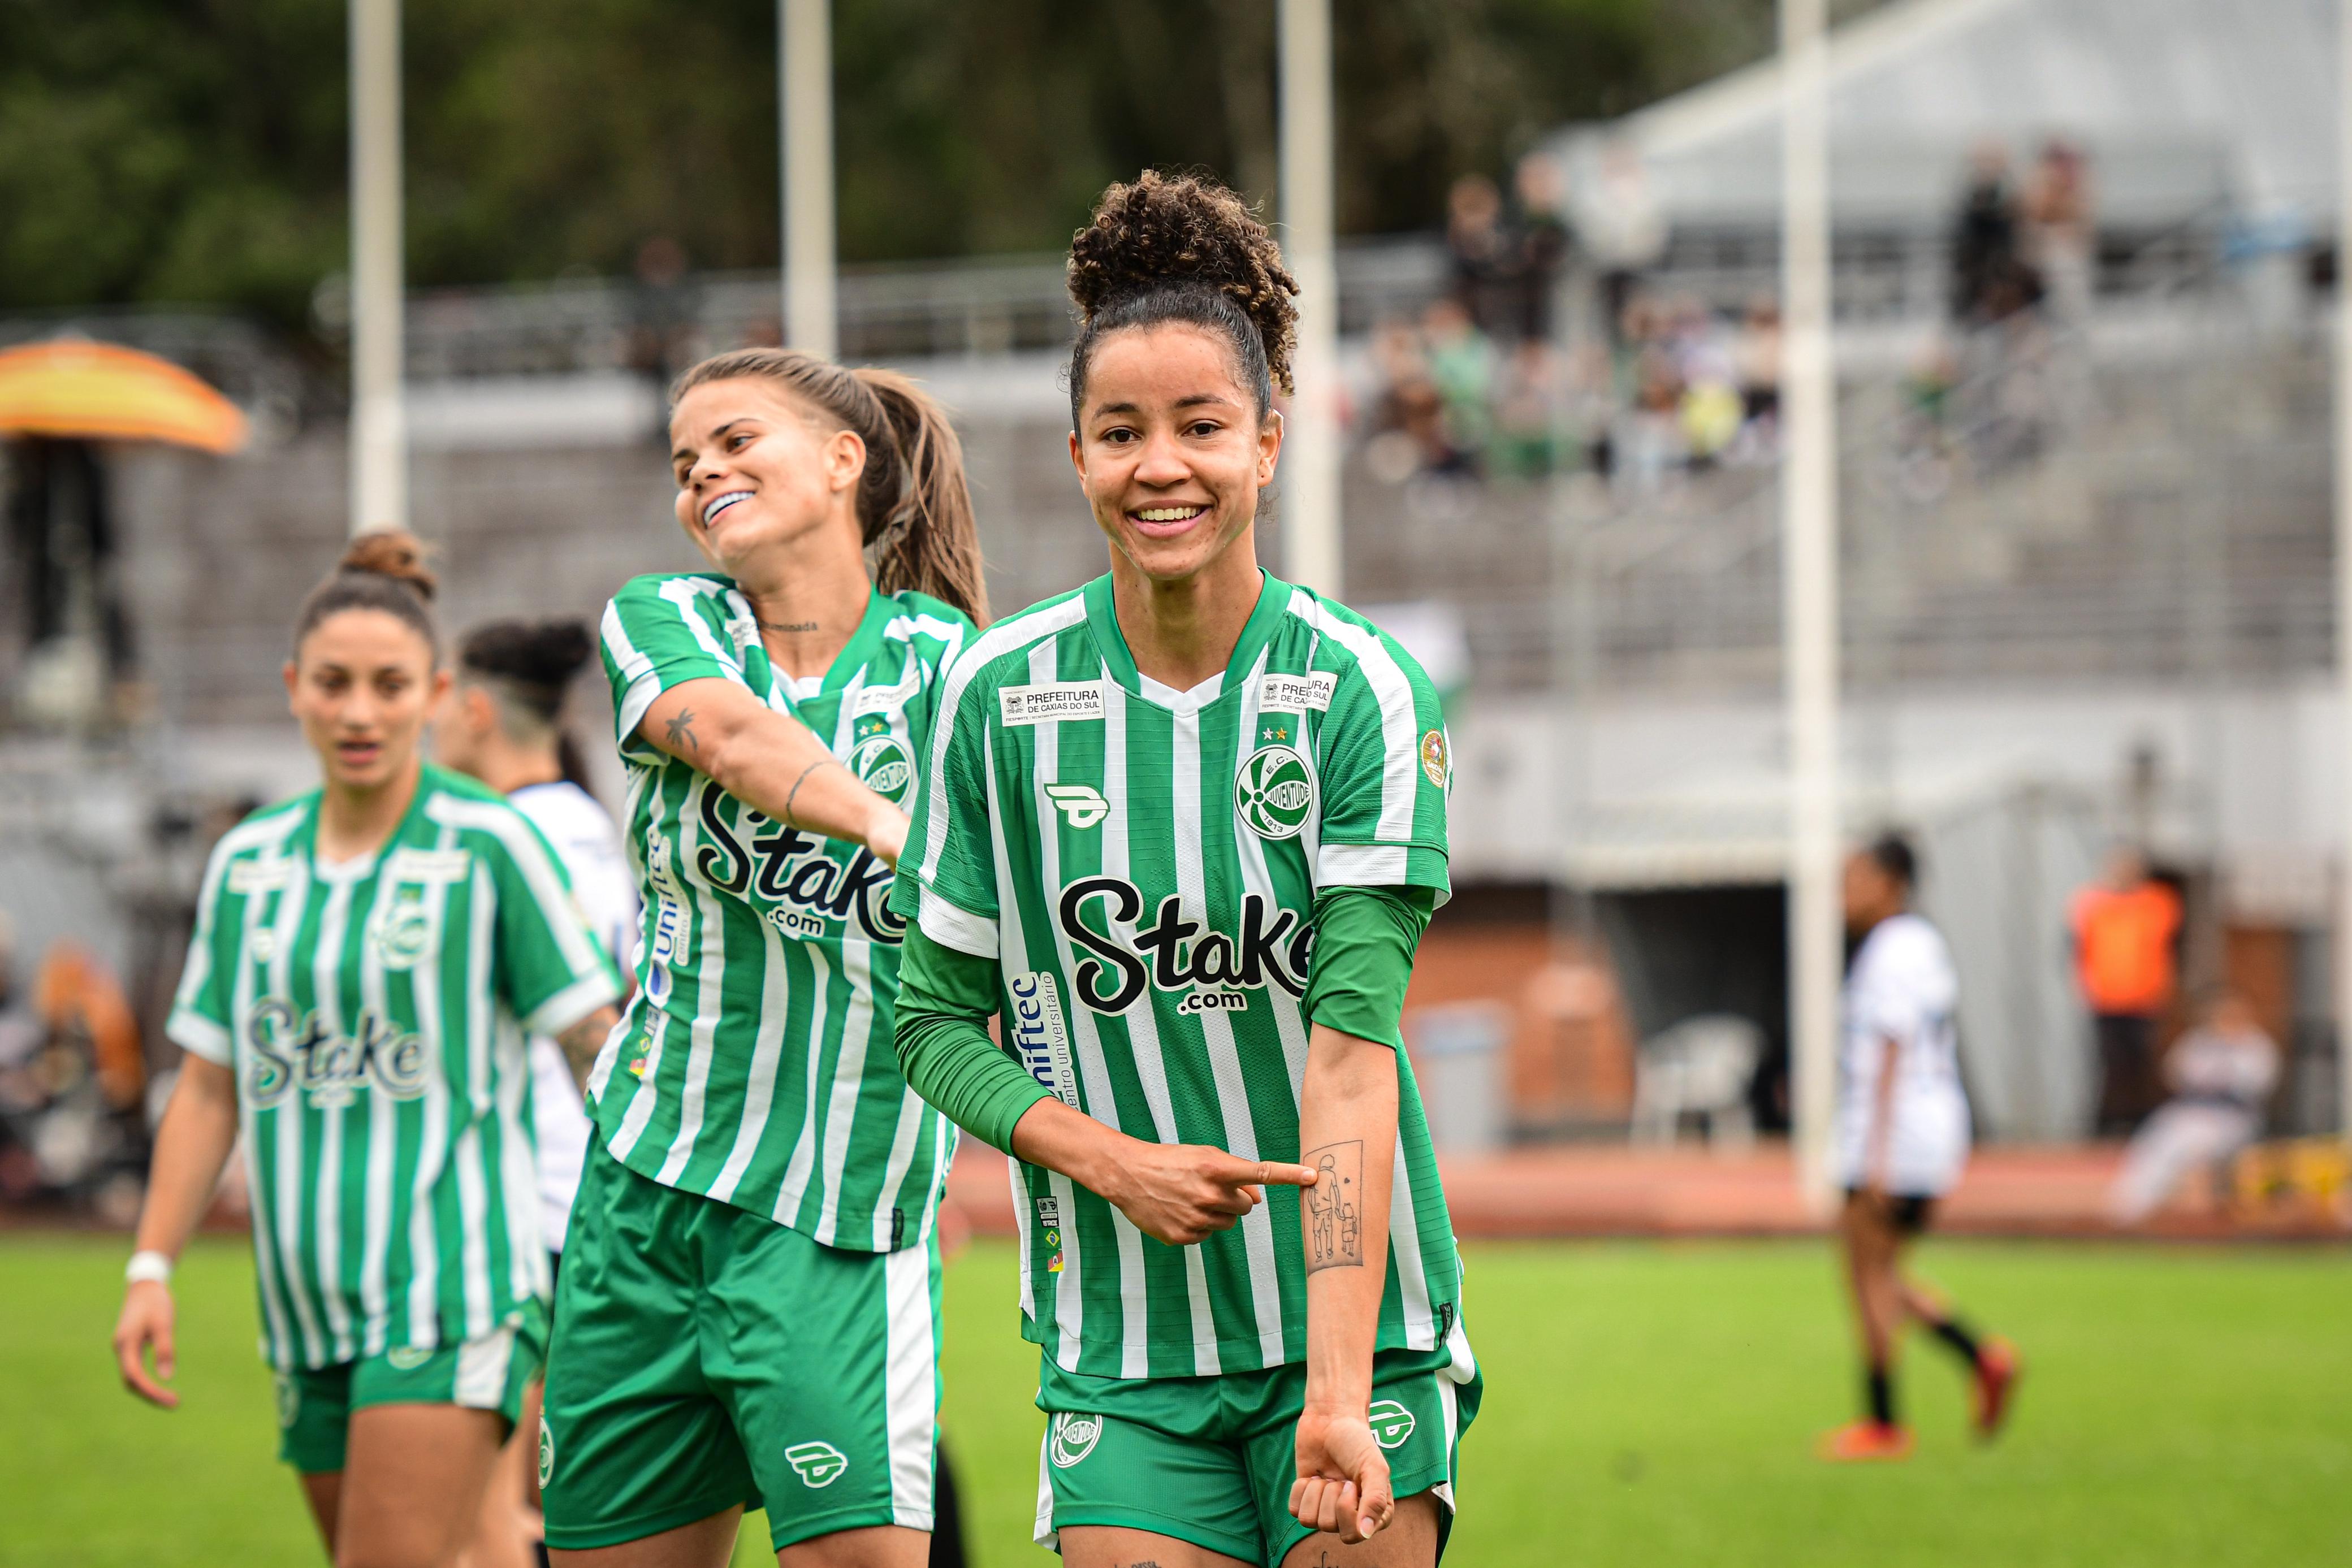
(1310, 444)
(379, 417)
(2344, 560)
(1809, 566)
(804, 121)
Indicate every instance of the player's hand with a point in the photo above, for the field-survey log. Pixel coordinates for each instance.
(1180, 1193)
(146, 1319)
(886, 835)
(1343, 1476)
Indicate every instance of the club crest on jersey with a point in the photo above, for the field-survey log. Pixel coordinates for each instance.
(881, 762)
(1275, 792)
(819, 1463)
(330, 1070)
(1082, 803)
(1074, 1438)
(1175, 954)
(1392, 1423)
(403, 934)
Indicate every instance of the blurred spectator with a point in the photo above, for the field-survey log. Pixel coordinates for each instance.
(1529, 409)
(1620, 226)
(1461, 363)
(662, 325)
(1481, 257)
(72, 1078)
(2060, 235)
(2126, 928)
(1756, 362)
(2222, 1074)
(1542, 242)
(1990, 280)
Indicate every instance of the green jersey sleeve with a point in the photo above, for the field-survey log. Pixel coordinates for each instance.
(200, 1020)
(1364, 943)
(551, 972)
(1386, 768)
(947, 877)
(661, 632)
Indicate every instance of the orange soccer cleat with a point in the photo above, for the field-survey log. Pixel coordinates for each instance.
(1997, 1370)
(1860, 1441)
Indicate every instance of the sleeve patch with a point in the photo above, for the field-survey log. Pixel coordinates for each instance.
(1436, 759)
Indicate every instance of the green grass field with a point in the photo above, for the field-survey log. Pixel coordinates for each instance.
(1645, 1404)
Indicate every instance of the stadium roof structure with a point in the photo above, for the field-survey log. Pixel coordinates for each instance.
(2187, 108)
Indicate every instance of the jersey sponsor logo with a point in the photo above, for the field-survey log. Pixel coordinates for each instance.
(886, 699)
(1050, 701)
(1049, 1211)
(1040, 1037)
(819, 1463)
(1435, 759)
(429, 868)
(1275, 792)
(1392, 1423)
(403, 934)
(1215, 1002)
(1173, 953)
(1295, 693)
(1074, 1439)
(259, 875)
(1082, 803)
(407, 1357)
(546, 1453)
(881, 762)
(669, 925)
(330, 1070)
(787, 867)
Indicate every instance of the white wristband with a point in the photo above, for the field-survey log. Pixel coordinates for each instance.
(152, 1266)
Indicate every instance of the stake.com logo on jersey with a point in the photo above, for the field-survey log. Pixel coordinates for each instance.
(1174, 954)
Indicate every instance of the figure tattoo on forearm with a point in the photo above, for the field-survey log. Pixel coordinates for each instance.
(1334, 1205)
(682, 729)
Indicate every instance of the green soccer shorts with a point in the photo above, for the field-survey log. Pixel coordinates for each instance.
(1211, 1460)
(704, 1356)
(315, 1403)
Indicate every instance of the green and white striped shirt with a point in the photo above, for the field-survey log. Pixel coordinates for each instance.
(1142, 864)
(754, 1064)
(376, 1014)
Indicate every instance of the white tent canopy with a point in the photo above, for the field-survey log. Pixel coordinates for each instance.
(2183, 105)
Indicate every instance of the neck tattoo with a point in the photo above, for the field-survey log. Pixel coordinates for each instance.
(787, 625)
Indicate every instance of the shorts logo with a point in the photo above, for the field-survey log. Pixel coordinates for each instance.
(1392, 1423)
(546, 1453)
(881, 761)
(1073, 1438)
(407, 1357)
(1435, 760)
(1081, 803)
(820, 1464)
(1275, 792)
(290, 1399)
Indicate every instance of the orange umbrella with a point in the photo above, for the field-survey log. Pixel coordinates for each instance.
(73, 387)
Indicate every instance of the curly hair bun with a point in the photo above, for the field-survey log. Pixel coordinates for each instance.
(1165, 229)
(394, 553)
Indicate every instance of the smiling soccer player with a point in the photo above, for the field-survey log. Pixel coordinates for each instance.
(1182, 830)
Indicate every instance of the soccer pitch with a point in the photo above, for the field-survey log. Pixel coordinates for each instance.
(1645, 1403)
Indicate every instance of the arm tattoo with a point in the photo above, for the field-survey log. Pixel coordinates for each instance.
(682, 729)
(585, 1039)
(1333, 1208)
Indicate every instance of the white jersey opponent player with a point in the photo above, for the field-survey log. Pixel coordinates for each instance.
(368, 960)
(502, 724)
(1180, 835)
(1902, 1138)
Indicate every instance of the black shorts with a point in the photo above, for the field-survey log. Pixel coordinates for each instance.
(1910, 1211)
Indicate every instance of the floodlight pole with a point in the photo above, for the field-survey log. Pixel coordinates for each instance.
(804, 125)
(1808, 569)
(1310, 437)
(2344, 563)
(378, 439)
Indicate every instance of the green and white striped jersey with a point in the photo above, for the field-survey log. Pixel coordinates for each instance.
(377, 1013)
(1143, 863)
(754, 1064)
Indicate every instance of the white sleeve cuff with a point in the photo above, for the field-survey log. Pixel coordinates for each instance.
(961, 929)
(640, 696)
(200, 1036)
(1360, 865)
(572, 1003)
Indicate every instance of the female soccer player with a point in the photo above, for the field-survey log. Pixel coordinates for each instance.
(502, 723)
(749, 1310)
(1147, 800)
(367, 961)
(1902, 1138)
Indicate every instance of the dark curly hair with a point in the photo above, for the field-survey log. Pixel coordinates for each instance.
(1181, 247)
(526, 666)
